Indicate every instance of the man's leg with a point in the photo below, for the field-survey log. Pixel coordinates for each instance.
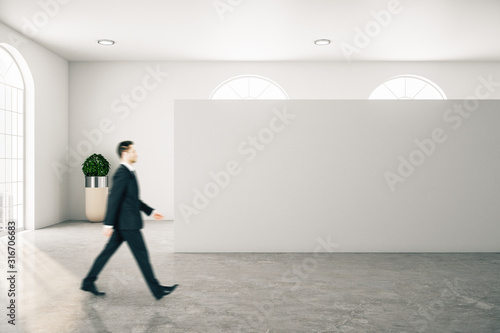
(138, 247)
(114, 242)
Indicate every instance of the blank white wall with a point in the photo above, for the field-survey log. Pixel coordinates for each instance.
(96, 92)
(95, 86)
(320, 176)
(50, 76)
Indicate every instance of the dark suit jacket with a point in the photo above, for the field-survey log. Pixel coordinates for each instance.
(124, 205)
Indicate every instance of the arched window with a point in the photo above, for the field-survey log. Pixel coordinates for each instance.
(248, 87)
(12, 118)
(408, 87)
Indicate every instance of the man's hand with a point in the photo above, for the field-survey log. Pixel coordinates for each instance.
(158, 216)
(107, 232)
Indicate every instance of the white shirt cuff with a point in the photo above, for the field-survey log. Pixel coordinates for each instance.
(108, 226)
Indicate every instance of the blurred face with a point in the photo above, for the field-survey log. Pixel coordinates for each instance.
(130, 155)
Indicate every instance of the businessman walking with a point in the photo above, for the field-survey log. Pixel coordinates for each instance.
(123, 223)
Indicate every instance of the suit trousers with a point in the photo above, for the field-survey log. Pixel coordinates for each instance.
(136, 244)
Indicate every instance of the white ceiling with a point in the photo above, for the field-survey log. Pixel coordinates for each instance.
(259, 30)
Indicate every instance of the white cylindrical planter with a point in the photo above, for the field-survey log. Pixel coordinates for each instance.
(96, 198)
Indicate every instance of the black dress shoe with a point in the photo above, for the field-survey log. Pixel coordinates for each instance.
(169, 289)
(92, 289)
(165, 290)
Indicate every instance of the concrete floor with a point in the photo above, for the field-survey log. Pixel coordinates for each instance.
(246, 292)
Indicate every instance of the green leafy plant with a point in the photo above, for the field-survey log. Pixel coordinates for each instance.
(95, 166)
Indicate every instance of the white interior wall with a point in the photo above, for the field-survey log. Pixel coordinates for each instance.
(50, 77)
(95, 86)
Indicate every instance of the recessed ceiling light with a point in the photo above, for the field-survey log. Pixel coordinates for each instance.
(322, 42)
(106, 41)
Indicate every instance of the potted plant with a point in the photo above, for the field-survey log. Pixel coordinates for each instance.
(96, 168)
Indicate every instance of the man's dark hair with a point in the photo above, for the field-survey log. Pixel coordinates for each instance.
(123, 146)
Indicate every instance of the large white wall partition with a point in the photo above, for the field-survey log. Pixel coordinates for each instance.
(344, 175)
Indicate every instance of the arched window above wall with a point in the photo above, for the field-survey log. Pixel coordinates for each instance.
(249, 87)
(12, 117)
(408, 87)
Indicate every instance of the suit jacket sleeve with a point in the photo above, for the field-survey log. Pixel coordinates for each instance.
(145, 208)
(120, 180)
